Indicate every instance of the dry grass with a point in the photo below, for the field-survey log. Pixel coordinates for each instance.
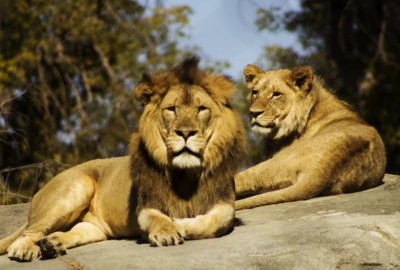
(19, 184)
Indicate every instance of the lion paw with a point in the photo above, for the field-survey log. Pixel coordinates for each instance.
(169, 234)
(23, 250)
(51, 248)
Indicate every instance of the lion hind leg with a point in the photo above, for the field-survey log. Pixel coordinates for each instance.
(23, 249)
(8, 240)
(55, 207)
(57, 243)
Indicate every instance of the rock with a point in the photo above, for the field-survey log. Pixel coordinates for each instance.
(352, 231)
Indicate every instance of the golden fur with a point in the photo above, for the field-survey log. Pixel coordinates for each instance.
(176, 184)
(317, 145)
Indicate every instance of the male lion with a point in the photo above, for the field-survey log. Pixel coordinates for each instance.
(176, 184)
(317, 144)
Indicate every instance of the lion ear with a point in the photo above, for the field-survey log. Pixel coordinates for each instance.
(144, 90)
(250, 72)
(302, 77)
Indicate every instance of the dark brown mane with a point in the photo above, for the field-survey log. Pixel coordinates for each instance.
(184, 193)
(188, 72)
(154, 87)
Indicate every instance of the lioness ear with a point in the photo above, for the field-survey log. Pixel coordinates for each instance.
(250, 72)
(302, 77)
(144, 90)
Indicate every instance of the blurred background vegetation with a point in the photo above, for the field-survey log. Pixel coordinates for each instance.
(67, 70)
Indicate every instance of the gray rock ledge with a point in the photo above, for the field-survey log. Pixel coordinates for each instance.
(352, 231)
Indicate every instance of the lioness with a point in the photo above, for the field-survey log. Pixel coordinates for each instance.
(318, 145)
(176, 184)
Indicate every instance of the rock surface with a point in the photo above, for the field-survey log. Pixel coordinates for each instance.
(352, 231)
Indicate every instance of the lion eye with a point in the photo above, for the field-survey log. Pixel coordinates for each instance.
(276, 94)
(202, 108)
(254, 93)
(171, 108)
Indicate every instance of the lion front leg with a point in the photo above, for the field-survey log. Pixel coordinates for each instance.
(159, 229)
(214, 223)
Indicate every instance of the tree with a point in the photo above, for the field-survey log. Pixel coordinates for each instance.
(354, 45)
(66, 76)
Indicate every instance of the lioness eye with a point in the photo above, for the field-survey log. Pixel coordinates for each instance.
(202, 108)
(276, 94)
(254, 93)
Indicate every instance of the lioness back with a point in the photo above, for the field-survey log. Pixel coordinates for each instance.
(317, 145)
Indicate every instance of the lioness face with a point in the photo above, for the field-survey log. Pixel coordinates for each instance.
(271, 100)
(187, 112)
(278, 98)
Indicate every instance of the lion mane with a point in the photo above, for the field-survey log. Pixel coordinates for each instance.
(316, 144)
(177, 183)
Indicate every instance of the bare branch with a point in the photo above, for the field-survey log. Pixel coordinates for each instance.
(45, 164)
(86, 86)
(380, 50)
(105, 63)
(9, 193)
(2, 104)
(77, 97)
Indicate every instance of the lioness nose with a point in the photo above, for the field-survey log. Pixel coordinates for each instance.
(255, 113)
(186, 133)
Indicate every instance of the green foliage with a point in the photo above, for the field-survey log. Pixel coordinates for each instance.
(354, 46)
(67, 70)
(274, 56)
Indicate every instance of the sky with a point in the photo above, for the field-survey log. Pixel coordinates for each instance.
(225, 30)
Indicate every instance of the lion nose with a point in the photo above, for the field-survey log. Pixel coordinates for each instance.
(186, 133)
(255, 113)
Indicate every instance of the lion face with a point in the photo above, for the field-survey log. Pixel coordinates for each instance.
(187, 121)
(280, 100)
(188, 113)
